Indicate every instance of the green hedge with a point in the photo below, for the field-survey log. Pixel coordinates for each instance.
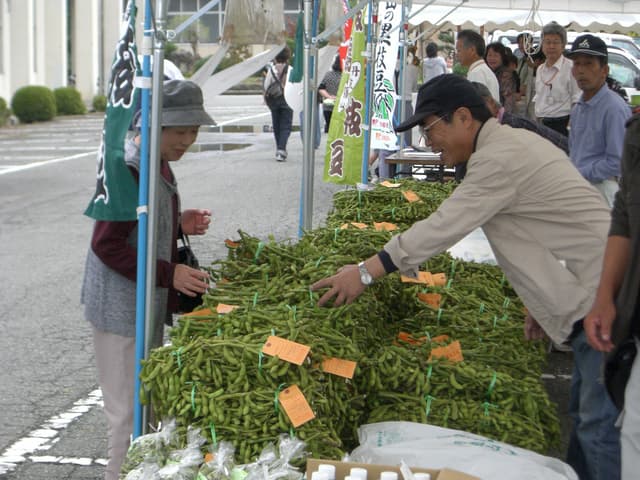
(99, 103)
(4, 112)
(69, 101)
(34, 103)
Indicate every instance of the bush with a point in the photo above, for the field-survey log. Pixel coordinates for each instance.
(99, 103)
(4, 112)
(34, 104)
(69, 101)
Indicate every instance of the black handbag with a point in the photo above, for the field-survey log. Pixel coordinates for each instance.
(186, 256)
(617, 369)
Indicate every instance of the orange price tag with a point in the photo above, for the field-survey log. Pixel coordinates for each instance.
(410, 339)
(224, 308)
(286, 349)
(389, 184)
(423, 277)
(411, 196)
(439, 279)
(231, 244)
(295, 406)
(339, 367)
(359, 225)
(440, 339)
(385, 226)
(431, 299)
(452, 352)
(205, 312)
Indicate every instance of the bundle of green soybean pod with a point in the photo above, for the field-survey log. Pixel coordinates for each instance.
(269, 282)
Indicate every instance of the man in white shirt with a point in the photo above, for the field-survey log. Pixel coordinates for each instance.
(556, 89)
(470, 51)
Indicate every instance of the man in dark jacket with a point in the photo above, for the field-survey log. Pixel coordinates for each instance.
(614, 315)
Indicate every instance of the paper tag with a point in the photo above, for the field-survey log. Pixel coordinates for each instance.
(359, 225)
(431, 299)
(295, 406)
(410, 339)
(231, 243)
(440, 339)
(286, 349)
(385, 226)
(439, 279)
(224, 308)
(423, 277)
(452, 352)
(411, 196)
(339, 367)
(205, 312)
(389, 184)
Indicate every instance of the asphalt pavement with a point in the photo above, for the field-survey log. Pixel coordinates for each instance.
(51, 422)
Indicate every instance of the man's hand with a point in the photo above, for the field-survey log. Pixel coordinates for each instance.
(190, 281)
(532, 329)
(345, 286)
(597, 325)
(195, 221)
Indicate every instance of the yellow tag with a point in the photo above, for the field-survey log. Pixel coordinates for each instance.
(439, 279)
(339, 367)
(295, 406)
(411, 196)
(385, 226)
(431, 299)
(224, 308)
(452, 352)
(286, 349)
(389, 184)
(359, 225)
(423, 277)
(205, 312)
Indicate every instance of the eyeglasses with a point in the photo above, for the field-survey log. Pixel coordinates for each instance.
(424, 130)
(551, 42)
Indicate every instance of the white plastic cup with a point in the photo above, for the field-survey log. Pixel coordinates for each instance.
(421, 476)
(357, 473)
(388, 476)
(330, 470)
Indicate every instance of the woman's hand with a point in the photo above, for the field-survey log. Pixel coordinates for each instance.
(190, 281)
(195, 221)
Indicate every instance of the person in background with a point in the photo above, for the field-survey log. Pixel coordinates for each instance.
(535, 209)
(328, 89)
(470, 49)
(614, 315)
(598, 119)
(410, 85)
(109, 285)
(281, 112)
(497, 58)
(524, 70)
(556, 89)
(432, 65)
(536, 60)
(518, 121)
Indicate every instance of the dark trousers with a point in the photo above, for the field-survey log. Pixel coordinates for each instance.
(327, 119)
(559, 124)
(281, 118)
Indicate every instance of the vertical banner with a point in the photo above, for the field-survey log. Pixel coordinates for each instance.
(384, 93)
(116, 196)
(343, 160)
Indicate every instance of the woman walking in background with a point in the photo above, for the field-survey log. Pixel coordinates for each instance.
(281, 112)
(497, 58)
(432, 65)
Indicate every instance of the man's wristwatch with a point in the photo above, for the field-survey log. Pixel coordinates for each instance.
(365, 276)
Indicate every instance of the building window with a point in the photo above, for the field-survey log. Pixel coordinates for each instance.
(2, 36)
(208, 27)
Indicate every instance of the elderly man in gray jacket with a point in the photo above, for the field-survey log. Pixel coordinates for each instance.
(547, 227)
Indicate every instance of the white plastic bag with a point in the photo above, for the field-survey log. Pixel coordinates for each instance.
(427, 446)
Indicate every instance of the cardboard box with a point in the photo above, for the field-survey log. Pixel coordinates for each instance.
(373, 470)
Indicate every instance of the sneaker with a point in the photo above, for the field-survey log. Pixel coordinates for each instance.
(280, 157)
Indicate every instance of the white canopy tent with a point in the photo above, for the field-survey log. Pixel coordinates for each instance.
(593, 15)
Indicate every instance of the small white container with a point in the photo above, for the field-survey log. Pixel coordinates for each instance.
(319, 475)
(388, 476)
(421, 476)
(357, 473)
(330, 470)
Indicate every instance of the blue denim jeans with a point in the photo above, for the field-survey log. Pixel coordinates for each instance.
(282, 118)
(594, 444)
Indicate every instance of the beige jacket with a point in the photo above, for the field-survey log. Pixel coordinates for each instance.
(546, 224)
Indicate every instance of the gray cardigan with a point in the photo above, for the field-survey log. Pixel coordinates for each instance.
(110, 298)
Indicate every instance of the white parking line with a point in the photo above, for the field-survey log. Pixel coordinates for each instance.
(43, 163)
(45, 436)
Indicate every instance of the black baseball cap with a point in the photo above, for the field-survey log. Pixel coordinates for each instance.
(588, 45)
(442, 94)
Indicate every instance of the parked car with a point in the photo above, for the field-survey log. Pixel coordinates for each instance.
(623, 67)
(612, 40)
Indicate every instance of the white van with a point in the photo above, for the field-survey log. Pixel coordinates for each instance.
(611, 39)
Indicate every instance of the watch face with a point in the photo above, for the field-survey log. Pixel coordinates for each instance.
(365, 276)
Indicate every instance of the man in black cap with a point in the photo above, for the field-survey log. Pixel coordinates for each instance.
(536, 211)
(597, 120)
